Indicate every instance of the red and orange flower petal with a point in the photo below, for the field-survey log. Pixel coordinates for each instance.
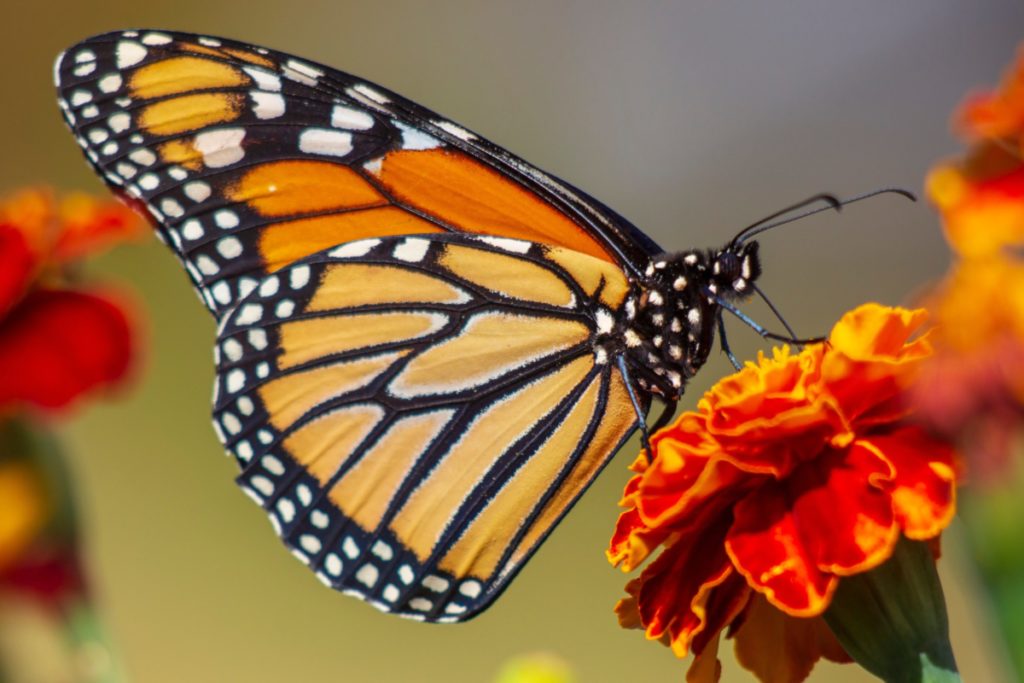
(767, 418)
(843, 516)
(677, 588)
(59, 344)
(765, 546)
(923, 489)
(779, 648)
(17, 264)
(997, 114)
(33, 212)
(90, 225)
(981, 201)
(871, 360)
(634, 541)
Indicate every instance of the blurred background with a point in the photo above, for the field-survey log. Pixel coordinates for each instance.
(692, 119)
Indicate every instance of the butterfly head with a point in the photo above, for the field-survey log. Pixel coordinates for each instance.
(734, 269)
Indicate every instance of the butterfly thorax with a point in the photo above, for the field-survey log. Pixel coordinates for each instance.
(668, 324)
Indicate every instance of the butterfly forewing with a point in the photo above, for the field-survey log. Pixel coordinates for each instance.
(250, 160)
(416, 413)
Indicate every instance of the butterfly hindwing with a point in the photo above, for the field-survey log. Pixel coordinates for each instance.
(416, 413)
(250, 160)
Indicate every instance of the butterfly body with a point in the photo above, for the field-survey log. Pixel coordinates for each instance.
(421, 337)
(670, 326)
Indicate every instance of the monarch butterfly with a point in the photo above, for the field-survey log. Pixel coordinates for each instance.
(426, 347)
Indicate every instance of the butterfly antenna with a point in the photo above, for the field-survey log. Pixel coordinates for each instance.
(831, 200)
(763, 225)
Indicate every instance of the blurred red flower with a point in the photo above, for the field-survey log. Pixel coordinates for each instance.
(793, 472)
(59, 340)
(973, 389)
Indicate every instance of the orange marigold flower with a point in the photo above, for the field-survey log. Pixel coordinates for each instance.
(57, 341)
(982, 197)
(791, 473)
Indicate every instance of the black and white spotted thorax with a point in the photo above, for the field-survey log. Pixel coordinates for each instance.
(666, 327)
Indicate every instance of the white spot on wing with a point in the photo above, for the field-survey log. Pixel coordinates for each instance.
(221, 147)
(192, 229)
(156, 39)
(324, 141)
(226, 219)
(435, 583)
(382, 550)
(411, 249)
(352, 249)
(414, 139)
(352, 119)
(197, 191)
(129, 53)
(143, 156)
(299, 277)
(367, 91)
(229, 247)
(367, 575)
(310, 543)
(80, 97)
(470, 588)
(302, 72)
(333, 565)
(506, 244)
(458, 131)
(250, 313)
(265, 80)
(119, 122)
(267, 105)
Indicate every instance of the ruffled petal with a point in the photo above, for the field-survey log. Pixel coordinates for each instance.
(764, 544)
(676, 590)
(57, 345)
(872, 361)
(923, 489)
(843, 517)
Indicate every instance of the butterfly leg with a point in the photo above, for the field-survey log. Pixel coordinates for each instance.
(644, 434)
(724, 341)
(667, 414)
(757, 328)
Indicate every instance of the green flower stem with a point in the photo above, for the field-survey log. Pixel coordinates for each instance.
(892, 620)
(993, 517)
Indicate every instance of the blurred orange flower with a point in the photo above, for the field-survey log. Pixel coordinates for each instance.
(973, 389)
(792, 473)
(57, 340)
(982, 196)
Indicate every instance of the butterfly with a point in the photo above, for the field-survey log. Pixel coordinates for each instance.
(427, 348)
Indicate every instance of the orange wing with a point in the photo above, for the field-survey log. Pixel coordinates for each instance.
(250, 160)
